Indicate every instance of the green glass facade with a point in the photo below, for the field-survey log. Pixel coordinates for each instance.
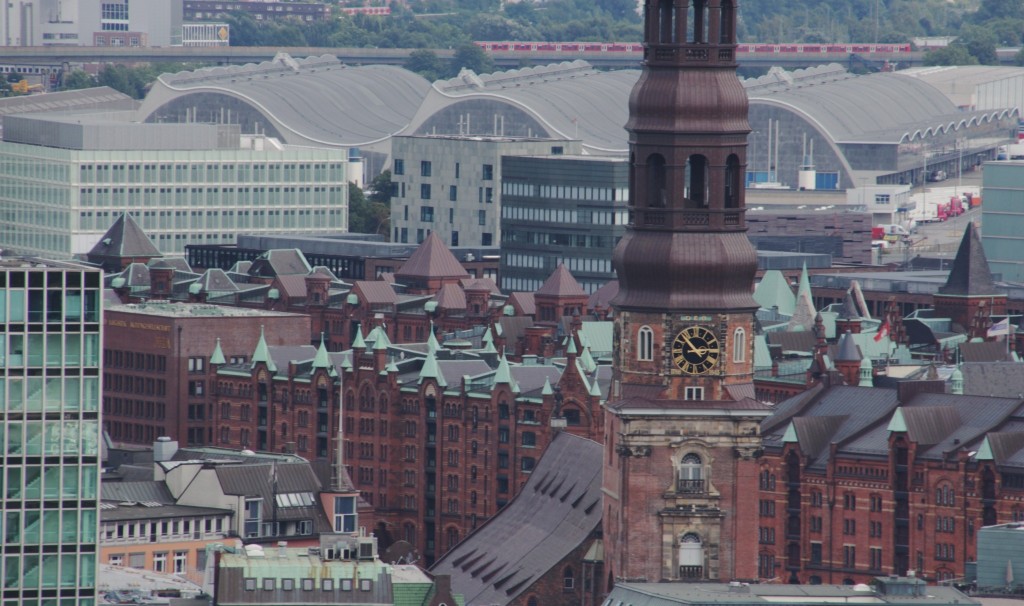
(50, 432)
(1002, 219)
(58, 202)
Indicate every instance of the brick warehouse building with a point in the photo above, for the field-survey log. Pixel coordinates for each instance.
(155, 362)
(857, 482)
(436, 439)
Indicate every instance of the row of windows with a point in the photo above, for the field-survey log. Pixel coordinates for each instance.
(147, 531)
(427, 169)
(307, 584)
(566, 192)
(36, 394)
(203, 173)
(135, 361)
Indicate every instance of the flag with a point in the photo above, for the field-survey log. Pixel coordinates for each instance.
(1001, 327)
(883, 331)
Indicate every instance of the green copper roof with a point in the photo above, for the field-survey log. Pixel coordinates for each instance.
(432, 344)
(898, 423)
(790, 436)
(571, 349)
(985, 452)
(547, 391)
(262, 354)
(489, 347)
(321, 360)
(595, 389)
(504, 374)
(359, 343)
(380, 339)
(218, 354)
(430, 370)
(773, 291)
(488, 338)
(588, 360)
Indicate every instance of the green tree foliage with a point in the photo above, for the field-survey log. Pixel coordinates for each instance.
(471, 56)
(370, 214)
(77, 79)
(427, 64)
(954, 54)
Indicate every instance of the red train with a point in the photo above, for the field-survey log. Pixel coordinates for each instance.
(742, 49)
(366, 10)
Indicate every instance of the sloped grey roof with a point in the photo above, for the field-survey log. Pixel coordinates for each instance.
(1004, 379)
(125, 239)
(1005, 445)
(139, 492)
(557, 510)
(970, 275)
(928, 425)
(985, 351)
(309, 100)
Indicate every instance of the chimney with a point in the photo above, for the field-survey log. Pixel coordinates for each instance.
(164, 449)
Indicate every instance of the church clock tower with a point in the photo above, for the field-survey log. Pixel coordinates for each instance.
(682, 428)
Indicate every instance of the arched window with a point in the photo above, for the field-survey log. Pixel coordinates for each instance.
(691, 557)
(739, 345)
(410, 532)
(728, 21)
(696, 180)
(568, 578)
(645, 344)
(732, 181)
(453, 537)
(656, 194)
(691, 470)
(666, 25)
(532, 602)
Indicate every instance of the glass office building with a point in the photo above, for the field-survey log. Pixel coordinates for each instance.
(50, 432)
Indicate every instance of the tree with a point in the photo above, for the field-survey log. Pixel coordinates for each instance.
(471, 56)
(954, 54)
(370, 214)
(426, 63)
(77, 79)
(980, 42)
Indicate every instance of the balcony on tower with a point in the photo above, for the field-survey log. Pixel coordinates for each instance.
(690, 32)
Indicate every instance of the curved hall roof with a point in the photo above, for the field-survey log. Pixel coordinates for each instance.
(571, 100)
(317, 100)
(900, 108)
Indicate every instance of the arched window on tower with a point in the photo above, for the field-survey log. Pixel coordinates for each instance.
(732, 181)
(645, 344)
(691, 557)
(696, 180)
(656, 195)
(728, 23)
(697, 22)
(666, 22)
(739, 345)
(691, 474)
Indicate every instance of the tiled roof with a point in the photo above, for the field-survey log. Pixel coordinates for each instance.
(1004, 379)
(561, 283)
(985, 351)
(377, 292)
(281, 262)
(603, 296)
(293, 285)
(451, 296)
(216, 280)
(970, 275)
(125, 239)
(557, 511)
(432, 259)
(524, 302)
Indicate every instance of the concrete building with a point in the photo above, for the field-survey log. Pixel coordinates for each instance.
(452, 185)
(65, 179)
(212, 10)
(556, 210)
(1002, 218)
(51, 420)
(95, 23)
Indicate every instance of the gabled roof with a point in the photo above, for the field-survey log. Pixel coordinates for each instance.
(125, 239)
(815, 433)
(524, 301)
(139, 492)
(555, 513)
(602, 296)
(1005, 379)
(451, 296)
(560, 283)
(773, 291)
(929, 425)
(281, 262)
(432, 259)
(1003, 445)
(377, 292)
(216, 280)
(970, 276)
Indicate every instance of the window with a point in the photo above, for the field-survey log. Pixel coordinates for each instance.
(690, 478)
(529, 439)
(425, 191)
(815, 553)
(252, 517)
(481, 217)
(488, 172)
(288, 584)
(399, 168)
(427, 214)
(344, 514)
(327, 584)
(568, 579)
(694, 393)
(849, 526)
(767, 508)
(453, 193)
(196, 364)
(486, 239)
(160, 562)
(307, 585)
(849, 556)
(849, 501)
(425, 168)
(268, 584)
(645, 344)
(250, 584)
(180, 562)
(739, 345)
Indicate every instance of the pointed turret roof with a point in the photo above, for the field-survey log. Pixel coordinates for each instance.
(432, 344)
(970, 276)
(561, 284)
(867, 373)
(432, 260)
(504, 375)
(547, 389)
(322, 359)
(125, 239)
(803, 313)
(262, 354)
(430, 370)
(847, 349)
(849, 309)
(359, 342)
(773, 291)
(217, 357)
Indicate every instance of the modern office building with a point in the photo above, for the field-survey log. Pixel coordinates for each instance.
(1002, 219)
(65, 179)
(94, 23)
(51, 423)
(556, 210)
(452, 185)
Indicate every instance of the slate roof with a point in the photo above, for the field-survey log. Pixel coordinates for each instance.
(847, 349)
(451, 296)
(216, 280)
(432, 259)
(139, 492)
(258, 480)
(602, 296)
(985, 351)
(1004, 379)
(377, 292)
(560, 283)
(281, 262)
(970, 275)
(1005, 445)
(524, 302)
(140, 511)
(125, 239)
(293, 285)
(801, 340)
(557, 510)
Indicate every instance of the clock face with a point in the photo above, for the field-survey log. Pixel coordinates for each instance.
(695, 350)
